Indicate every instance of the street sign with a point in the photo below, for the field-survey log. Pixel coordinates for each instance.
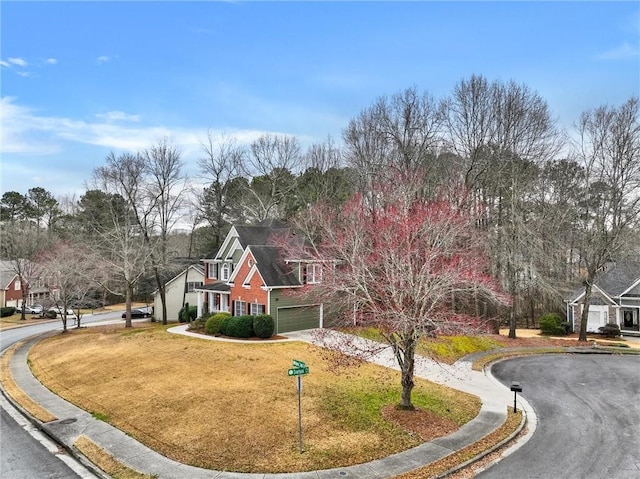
(298, 364)
(298, 371)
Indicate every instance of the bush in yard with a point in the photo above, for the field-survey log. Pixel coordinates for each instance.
(553, 325)
(50, 314)
(610, 330)
(239, 326)
(8, 311)
(263, 326)
(214, 323)
(187, 313)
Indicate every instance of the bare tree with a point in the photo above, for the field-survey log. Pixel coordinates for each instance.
(223, 161)
(324, 177)
(609, 152)
(397, 135)
(166, 187)
(21, 244)
(272, 164)
(503, 134)
(122, 244)
(74, 272)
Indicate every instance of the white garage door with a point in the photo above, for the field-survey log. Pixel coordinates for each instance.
(598, 316)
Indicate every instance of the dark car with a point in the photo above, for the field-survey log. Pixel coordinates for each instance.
(138, 313)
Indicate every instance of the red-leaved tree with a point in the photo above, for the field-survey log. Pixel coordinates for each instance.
(409, 266)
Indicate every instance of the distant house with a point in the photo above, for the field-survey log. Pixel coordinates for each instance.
(249, 275)
(615, 299)
(10, 286)
(180, 288)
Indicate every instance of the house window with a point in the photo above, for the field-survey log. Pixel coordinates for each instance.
(313, 273)
(192, 285)
(225, 272)
(17, 285)
(257, 309)
(211, 270)
(239, 308)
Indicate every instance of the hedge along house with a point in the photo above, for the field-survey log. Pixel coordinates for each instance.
(615, 299)
(249, 275)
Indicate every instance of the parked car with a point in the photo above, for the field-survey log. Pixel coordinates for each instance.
(33, 309)
(70, 313)
(138, 313)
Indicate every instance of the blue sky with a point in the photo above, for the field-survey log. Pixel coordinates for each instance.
(80, 79)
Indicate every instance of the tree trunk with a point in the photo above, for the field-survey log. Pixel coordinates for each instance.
(585, 307)
(128, 296)
(406, 361)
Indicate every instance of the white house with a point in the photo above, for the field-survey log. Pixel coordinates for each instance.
(179, 290)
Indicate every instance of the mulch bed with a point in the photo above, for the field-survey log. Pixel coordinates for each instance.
(419, 422)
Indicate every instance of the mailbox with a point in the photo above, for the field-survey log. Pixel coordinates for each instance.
(516, 388)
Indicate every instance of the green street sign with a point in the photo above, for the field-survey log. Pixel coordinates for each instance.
(298, 371)
(298, 364)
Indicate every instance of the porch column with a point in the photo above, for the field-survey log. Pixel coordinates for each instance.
(199, 296)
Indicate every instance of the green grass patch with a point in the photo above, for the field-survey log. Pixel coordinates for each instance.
(448, 349)
(100, 416)
(358, 405)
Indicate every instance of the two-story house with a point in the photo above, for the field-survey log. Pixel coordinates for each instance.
(11, 285)
(249, 275)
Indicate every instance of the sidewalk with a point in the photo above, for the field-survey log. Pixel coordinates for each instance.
(73, 422)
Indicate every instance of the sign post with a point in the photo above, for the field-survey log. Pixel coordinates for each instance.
(299, 368)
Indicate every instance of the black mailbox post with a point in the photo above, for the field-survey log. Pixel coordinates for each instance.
(516, 388)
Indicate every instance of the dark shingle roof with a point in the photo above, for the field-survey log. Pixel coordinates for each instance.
(619, 276)
(273, 271)
(217, 286)
(259, 235)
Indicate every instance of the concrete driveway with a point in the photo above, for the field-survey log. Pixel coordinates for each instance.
(588, 410)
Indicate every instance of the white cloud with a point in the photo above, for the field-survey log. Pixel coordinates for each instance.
(5, 64)
(25, 74)
(117, 116)
(51, 61)
(23, 131)
(17, 61)
(621, 52)
(103, 59)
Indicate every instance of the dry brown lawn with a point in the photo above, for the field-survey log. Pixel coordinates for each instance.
(231, 406)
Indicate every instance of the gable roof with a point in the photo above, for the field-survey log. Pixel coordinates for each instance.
(617, 279)
(7, 273)
(269, 265)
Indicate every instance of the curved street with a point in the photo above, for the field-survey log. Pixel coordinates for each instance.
(588, 409)
(26, 452)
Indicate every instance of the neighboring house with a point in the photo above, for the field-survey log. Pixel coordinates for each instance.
(10, 286)
(180, 288)
(248, 275)
(615, 299)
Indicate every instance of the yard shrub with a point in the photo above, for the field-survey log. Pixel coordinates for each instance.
(263, 326)
(187, 313)
(213, 324)
(610, 330)
(8, 311)
(50, 314)
(552, 324)
(239, 326)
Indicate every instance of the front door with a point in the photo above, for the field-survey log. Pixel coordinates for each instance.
(630, 319)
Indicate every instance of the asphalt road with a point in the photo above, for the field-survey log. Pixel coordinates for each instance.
(588, 409)
(25, 453)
